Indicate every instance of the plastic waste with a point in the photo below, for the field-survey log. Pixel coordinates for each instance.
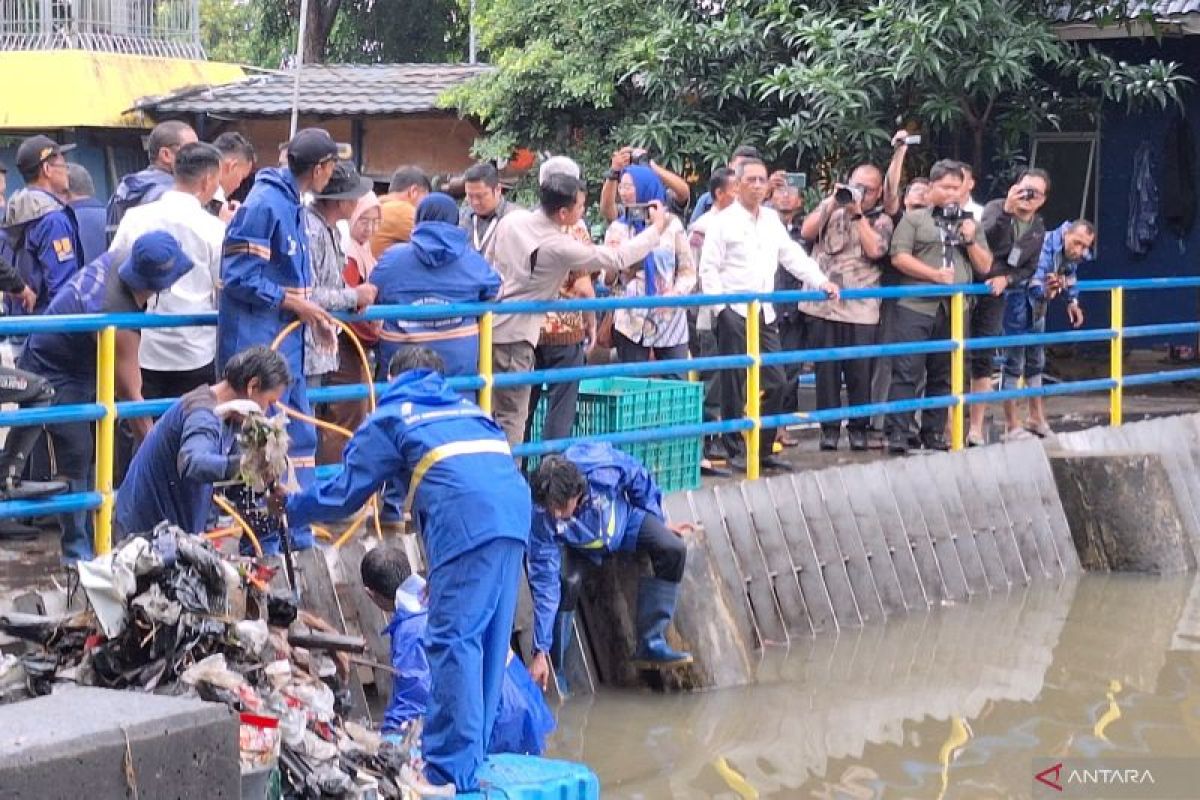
(213, 671)
(157, 607)
(252, 636)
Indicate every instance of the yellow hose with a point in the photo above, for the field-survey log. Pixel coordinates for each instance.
(225, 506)
(372, 506)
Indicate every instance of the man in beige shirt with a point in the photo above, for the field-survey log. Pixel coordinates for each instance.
(534, 251)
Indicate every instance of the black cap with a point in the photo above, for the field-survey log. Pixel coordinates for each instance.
(345, 183)
(314, 145)
(36, 150)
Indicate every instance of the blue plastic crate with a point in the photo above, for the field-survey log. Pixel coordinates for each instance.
(516, 777)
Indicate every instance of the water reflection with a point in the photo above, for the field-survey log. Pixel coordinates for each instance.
(952, 704)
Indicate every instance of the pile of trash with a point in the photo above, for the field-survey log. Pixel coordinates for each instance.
(166, 613)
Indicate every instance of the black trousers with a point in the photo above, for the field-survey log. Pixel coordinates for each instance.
(560, 397)
(161, 384)
(831, 375)
(987, 319)
(703, 343)
(667, 551)
(630, 352)
(26, 390)
(793, 335)
(731, 340)
(912, 326)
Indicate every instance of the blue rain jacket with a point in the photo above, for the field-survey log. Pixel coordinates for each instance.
(90, 216)
(464, 495)
(135, 189)
(266, 253)
(172, 473)
(71, 355)
(621, 492)
(437, 267)
(523, 721)
(44, 239)
(1025, 305)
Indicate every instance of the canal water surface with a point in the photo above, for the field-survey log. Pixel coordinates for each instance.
(955, 703)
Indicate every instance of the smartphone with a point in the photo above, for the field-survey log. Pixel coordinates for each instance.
(911, 140)
(637, 213)
(797, 180)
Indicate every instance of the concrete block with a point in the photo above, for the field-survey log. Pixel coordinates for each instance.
(1123, 512)
(108, 744)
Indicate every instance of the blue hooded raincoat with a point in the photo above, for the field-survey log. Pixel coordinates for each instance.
(621, 492)
(472, 507)
(265, 256)
(437, 267)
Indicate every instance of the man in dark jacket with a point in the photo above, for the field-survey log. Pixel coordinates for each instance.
(1014, 232)
(42, 232)
(155, 180)
(89, 212)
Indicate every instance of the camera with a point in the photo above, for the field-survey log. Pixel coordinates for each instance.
(637, 213)
(845, 194)
(912, 140)
(797, 180)
(640, 156)
(950, 213)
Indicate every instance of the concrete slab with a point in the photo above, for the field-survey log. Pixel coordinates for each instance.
(936, 486)
(841, 516)
(901, 593)
(834, 566)
(104, 743)
(929, 534)
(782, 571)
(809, 571)
(976, 467)
(1025, 511)
(951, 470)
(883, 504)
(707, 512)
(751, 564)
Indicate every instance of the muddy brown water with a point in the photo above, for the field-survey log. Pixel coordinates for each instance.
(955, 703)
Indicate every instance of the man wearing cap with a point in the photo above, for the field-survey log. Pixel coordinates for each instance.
(139, 188)
(68, 360)
(41, 228)
(334, 204)
(174, 361)
(268, 284)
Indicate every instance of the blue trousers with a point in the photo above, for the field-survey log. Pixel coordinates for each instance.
(302, 452)
(472, 602)
(1023, 313)
(74, 461)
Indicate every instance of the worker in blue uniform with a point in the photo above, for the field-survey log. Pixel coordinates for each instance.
(193, 445)
(438, 266)
(523, 721)
(68, 360)
(267, 285)
(594, 500)
(472, 507)
(40, 227)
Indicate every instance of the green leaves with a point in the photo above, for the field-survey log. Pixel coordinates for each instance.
(818, 85)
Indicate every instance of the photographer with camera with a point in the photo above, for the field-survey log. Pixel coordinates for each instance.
(744, 246)
(1014, 232)
(851, 235)
(934, 246)
(895, 201)
(611, 192)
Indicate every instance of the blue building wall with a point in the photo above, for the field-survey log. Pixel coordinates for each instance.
(1120, 135)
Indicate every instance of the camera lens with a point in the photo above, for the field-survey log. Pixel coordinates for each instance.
(843, 196)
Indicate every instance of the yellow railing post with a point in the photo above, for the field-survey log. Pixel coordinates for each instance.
(753, 390)
(106, 427)
(485, 361)
(958, 361)
(1116, 357)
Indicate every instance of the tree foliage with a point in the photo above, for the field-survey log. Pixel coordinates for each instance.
(263, 32)
(819, 85)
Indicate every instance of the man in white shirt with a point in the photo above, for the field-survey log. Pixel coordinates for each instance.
(743, 246)
(176, 360)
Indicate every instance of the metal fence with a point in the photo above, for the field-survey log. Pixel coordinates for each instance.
(106, 410)
(166, 28)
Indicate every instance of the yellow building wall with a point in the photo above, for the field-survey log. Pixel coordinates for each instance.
(44, 89)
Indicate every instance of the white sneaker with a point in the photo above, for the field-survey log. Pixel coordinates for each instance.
(414, 780)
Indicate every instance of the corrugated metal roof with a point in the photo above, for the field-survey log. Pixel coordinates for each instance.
(342, 90)
(1160, 9)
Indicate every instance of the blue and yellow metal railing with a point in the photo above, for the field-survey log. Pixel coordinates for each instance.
(106, 411)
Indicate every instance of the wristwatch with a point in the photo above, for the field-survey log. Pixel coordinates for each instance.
(613, 175)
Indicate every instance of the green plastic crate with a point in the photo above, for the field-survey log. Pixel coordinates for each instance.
(611, 405)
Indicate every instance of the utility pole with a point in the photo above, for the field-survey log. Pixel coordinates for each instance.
(471, 54)
(298, 66)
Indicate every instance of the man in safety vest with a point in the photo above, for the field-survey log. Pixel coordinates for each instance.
(472, 506)
(268, 284)
(596, 500)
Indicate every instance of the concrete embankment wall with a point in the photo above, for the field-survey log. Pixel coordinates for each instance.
(787, 557)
